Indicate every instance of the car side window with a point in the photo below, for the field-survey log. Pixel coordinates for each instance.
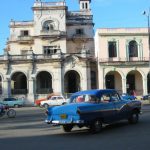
(115, 97)
(105, 98)
(59, 98)
(53, 98)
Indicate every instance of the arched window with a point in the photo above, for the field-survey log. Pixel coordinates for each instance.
(133, 49)
(48, 25)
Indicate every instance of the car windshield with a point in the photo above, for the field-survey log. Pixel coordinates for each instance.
(84, 98)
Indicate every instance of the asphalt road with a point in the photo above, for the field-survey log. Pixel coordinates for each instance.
(29, 132)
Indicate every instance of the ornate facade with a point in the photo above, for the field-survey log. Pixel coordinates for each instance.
(123, 59)
(52, 53)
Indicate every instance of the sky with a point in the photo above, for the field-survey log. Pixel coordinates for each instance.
(106, 14)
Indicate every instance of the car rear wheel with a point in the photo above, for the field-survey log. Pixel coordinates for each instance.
(134, 118)
(96, 126)
(67, 128)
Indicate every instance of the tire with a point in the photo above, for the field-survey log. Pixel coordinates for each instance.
(46, 106)
(134, 118)
(96, 126)
(67, 128)
(11, 113)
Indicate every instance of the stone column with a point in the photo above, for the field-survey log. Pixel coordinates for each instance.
(31, 91)
(124, 85)
(7, 87)
(101, 77)
(145, 90)
(57, 81)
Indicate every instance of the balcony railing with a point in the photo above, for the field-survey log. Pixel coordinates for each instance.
(25, 39)
(52, 33)
(19, 91)
(131, 59)
(44, 90)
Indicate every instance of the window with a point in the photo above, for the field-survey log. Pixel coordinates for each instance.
(105, 98)
(110, 81)
(24, 33)
(85, 98)
(115, 97)
(86, 5)
(133, 49)
(79, 31)
(48, 25)
(49, 50)
(93, 80)
(112, 50)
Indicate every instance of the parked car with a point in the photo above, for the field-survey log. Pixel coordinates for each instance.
(92, 109)
(126, 96)
(53, 101)
(13, 102)
(38, 101)
(146, 97)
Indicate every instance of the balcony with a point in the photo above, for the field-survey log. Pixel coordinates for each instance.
(25, 39)
(124, 61)
(52, 34)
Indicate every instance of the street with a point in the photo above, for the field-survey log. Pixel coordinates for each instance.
(28, 131)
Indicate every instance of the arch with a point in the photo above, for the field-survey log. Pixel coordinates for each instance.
(72, 81)
(133, 48)
(113, 80)
(134, 82)
(52, 21)
(44, 83)
(18, 83)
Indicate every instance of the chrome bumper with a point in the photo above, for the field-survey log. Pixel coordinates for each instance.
(64, 121)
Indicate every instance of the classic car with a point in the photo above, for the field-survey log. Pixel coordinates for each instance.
(53, 101)
(92, 109)
(13, 102)
(37, 102)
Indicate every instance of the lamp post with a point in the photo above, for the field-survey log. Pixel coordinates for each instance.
(148, 28)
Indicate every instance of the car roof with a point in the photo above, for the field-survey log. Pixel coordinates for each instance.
(96, 92)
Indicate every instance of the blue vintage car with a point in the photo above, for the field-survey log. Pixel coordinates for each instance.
(13, 102)
(92, 109)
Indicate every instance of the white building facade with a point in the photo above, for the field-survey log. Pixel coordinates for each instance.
(52, 53)
(123, 59)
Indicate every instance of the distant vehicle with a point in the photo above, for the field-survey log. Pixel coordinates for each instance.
(92, 109)
(53, 101)
(37, 102)
(13, 102)
(146, 97)
(126, 96)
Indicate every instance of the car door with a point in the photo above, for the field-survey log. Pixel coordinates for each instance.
(121, 106)
(107, 108)
(53, 101)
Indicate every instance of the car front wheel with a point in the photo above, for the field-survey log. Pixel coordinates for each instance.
(134, 118)
(46, 106)
(96, 126)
